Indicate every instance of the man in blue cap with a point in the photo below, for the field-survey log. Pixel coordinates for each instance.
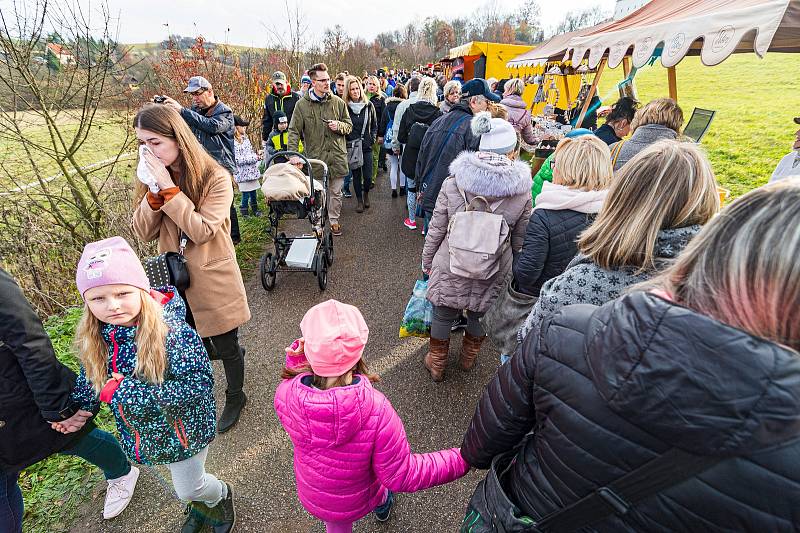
(447, 137)
(211, 121)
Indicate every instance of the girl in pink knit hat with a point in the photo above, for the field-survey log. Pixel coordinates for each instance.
(140, 357)
(350, 448)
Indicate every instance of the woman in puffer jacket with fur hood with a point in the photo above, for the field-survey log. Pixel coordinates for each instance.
(494, 174)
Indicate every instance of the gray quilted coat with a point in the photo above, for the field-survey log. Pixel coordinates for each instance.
(476, 177)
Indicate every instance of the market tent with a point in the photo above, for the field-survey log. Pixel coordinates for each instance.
(486, 60)
(712, 29)
(551, 50)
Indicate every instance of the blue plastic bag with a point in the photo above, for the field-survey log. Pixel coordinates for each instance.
(419, 313)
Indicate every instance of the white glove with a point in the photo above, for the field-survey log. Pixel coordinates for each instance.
(144, 174)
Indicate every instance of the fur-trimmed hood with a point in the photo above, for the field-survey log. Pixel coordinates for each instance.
(484, 176)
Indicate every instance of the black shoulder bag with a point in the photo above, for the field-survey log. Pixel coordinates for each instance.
(491, 510)
(169, 268)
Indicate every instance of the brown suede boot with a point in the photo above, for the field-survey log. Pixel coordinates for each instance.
(436, 359)
(469, 351)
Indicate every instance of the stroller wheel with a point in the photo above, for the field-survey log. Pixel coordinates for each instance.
(329, 248)
(268, 267)
(322, 270)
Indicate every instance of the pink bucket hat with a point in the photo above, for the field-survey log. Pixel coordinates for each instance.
(335, 335)
(109, 262)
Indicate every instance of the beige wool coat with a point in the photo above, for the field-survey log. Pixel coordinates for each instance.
(216, 292)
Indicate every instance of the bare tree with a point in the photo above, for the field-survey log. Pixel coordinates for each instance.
(50, 198)
(335, 42)
(291, 43)
(575, 20)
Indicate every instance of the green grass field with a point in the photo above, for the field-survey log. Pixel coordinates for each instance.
(755, 101)
(109, 134)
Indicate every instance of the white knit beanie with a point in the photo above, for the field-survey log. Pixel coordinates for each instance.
(497, 135)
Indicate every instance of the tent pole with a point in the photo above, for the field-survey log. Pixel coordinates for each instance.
(589, 96)
(673, 83)
(626, 66)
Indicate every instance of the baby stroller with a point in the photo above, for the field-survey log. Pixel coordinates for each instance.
(311, 252)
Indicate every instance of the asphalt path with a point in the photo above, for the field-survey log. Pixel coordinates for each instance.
(376, 263)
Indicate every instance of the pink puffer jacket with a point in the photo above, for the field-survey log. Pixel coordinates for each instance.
(349, 443)
(520, 117)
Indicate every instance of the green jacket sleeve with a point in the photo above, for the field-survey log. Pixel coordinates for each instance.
(545, 174)
(345, 124)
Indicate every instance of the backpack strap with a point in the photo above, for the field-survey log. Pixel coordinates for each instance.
(490, 207)
(616, 151)
(663, 472)
(367, 117)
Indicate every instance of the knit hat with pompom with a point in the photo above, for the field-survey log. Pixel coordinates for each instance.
(497, 135)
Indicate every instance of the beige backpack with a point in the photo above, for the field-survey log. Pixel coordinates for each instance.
(477, 239)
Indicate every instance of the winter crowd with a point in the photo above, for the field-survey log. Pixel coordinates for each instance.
(650, 376)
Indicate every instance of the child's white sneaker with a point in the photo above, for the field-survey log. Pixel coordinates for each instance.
(119, 493)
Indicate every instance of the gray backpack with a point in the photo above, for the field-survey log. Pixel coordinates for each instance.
(477, 239)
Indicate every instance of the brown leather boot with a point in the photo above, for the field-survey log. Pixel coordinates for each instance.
(469, 351)
(436, 359)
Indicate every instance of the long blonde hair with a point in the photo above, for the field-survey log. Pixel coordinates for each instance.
(668, 185)
(583, 163)
(197, 167)
(151, 351)
(742, 268)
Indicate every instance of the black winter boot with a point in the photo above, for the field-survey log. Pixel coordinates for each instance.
(235, 398)
(360, 206)
(223, 515)
(196, 516)
(366, 199)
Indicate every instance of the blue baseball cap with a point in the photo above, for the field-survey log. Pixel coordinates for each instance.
(478, 87)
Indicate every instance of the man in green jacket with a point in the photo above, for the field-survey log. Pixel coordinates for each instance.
(321, 120)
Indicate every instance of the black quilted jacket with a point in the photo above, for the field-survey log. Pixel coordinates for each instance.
(603, 390)
(550, 244)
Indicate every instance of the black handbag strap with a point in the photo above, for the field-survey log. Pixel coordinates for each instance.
(620, 495)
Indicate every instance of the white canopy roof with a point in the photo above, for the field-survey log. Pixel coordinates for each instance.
(550, 50)
(713, 29)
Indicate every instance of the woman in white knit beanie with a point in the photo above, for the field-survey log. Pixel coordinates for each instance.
(504, 183)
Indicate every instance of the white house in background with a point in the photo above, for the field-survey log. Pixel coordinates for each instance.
(64, 56)
(626, 7)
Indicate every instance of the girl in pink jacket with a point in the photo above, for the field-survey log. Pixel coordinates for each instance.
(350, 447)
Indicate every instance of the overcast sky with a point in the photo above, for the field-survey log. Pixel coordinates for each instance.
(142, 20)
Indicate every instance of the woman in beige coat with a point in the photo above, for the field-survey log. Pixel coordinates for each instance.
(492, 173)
(193, 196)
